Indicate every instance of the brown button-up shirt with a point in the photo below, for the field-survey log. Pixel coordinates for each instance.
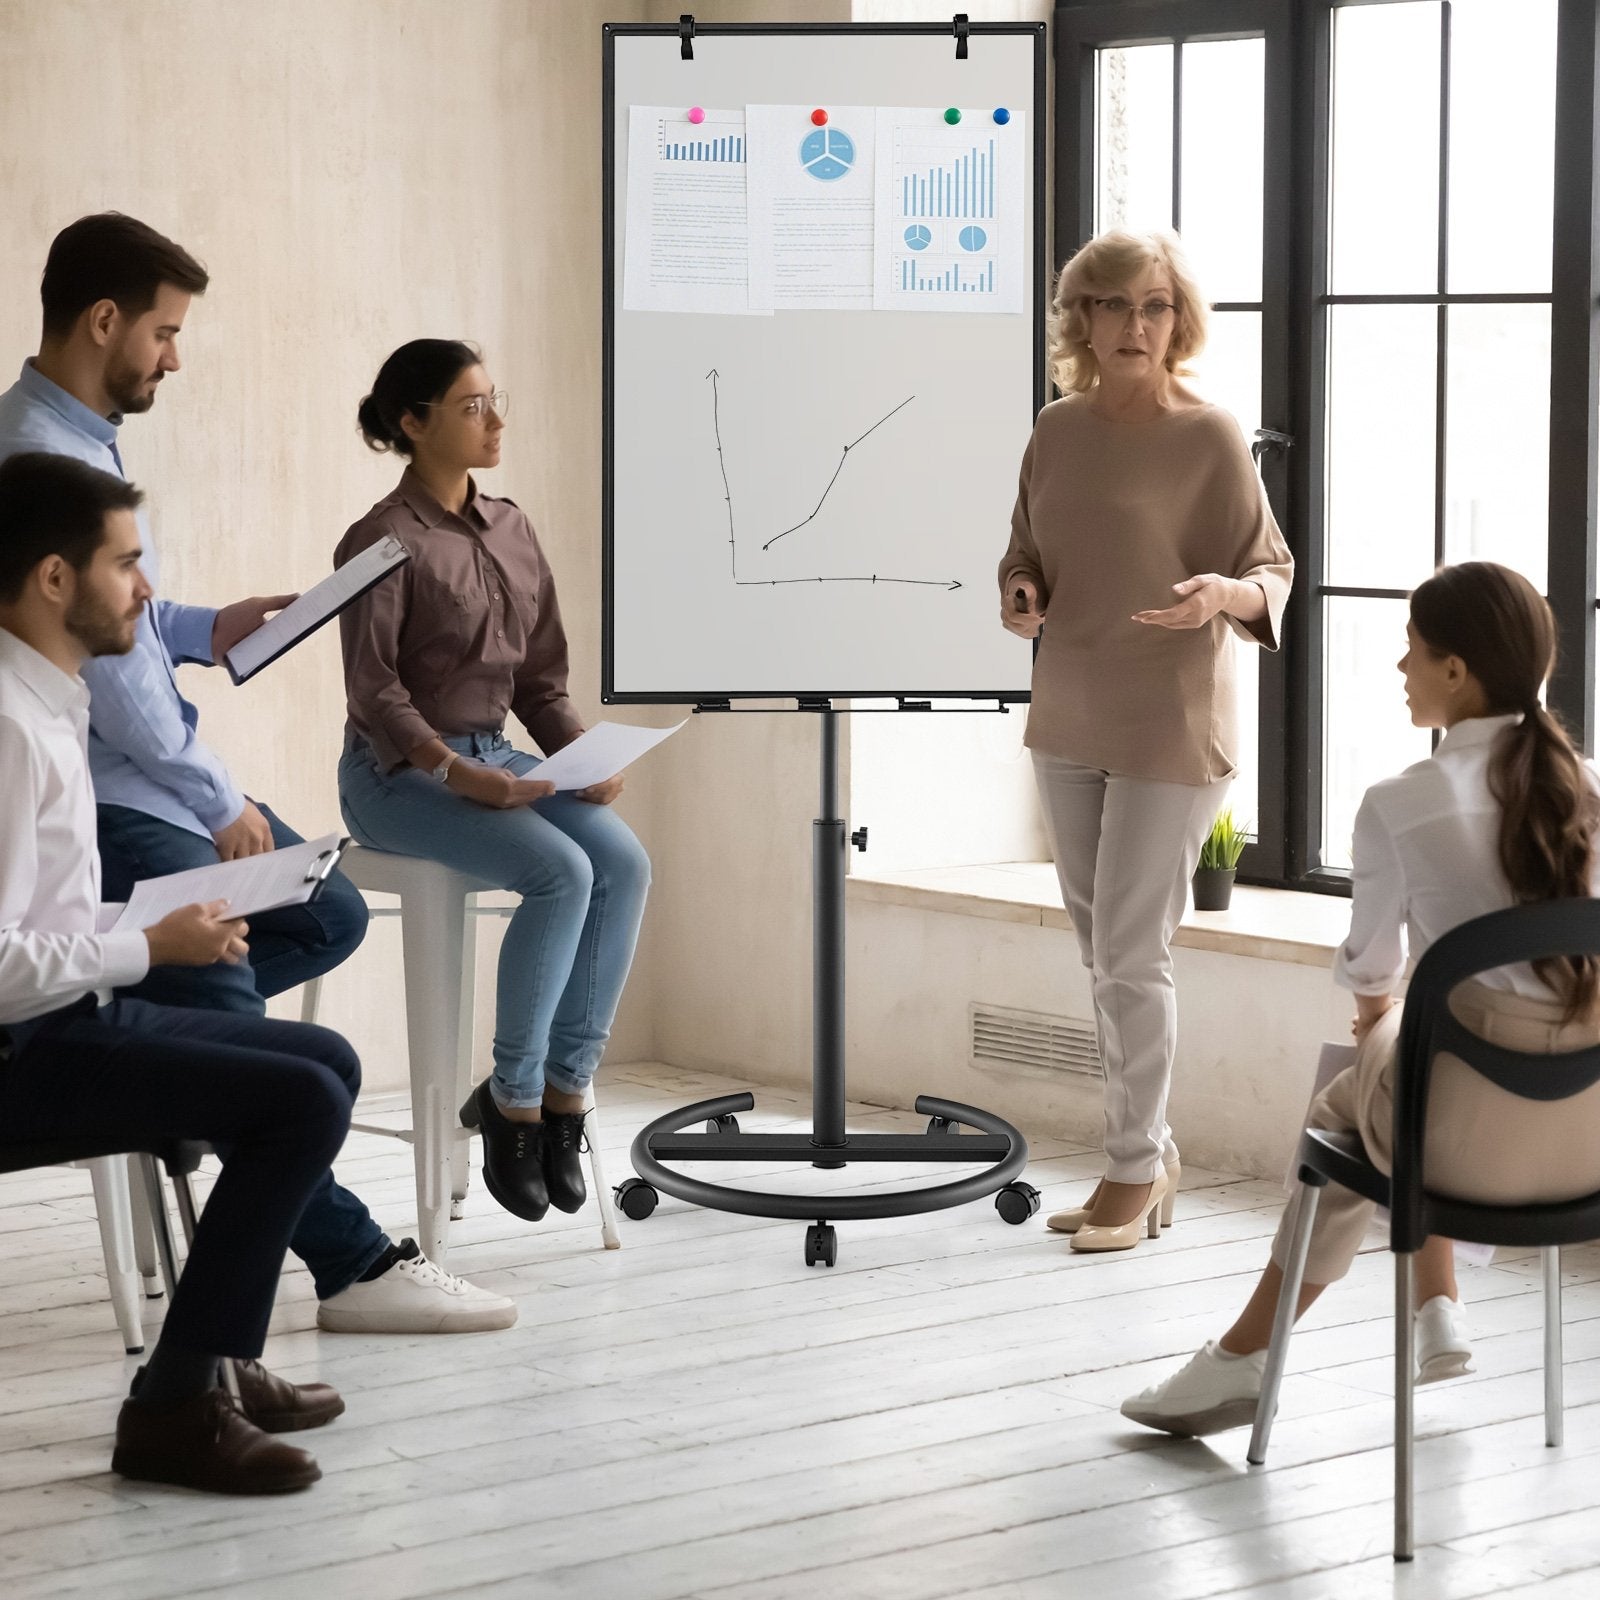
(466, 630)
(1109, 516)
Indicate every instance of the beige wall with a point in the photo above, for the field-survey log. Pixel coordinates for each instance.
(354, 173)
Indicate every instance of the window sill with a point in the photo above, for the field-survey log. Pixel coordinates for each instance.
(1270, 924)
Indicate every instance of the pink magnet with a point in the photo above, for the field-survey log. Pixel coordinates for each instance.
(697, 114)
(820, 117)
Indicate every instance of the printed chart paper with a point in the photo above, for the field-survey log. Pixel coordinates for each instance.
(951, 212)
(811, 208)
(688, 236)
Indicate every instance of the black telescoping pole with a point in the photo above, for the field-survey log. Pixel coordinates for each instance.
(827, 950)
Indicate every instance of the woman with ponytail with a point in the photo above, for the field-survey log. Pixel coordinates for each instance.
(1504, 812)
(435, 657)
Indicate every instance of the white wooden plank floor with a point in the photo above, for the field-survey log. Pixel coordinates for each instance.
(700, 1414)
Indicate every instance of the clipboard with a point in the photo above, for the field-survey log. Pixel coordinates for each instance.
(292, 876)
(320, 604)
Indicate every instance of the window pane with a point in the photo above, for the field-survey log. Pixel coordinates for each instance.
(1228, 370)
(1502, 145)
(1385, 192)
(1497, 437)
(1222, 165)
(1133, 159)
(1367, 733)
(1382, 426)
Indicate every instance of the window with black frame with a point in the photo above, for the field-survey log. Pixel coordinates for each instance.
(1394, 205)
(1436, 426)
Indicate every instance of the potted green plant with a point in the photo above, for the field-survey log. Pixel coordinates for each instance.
(1219, 859)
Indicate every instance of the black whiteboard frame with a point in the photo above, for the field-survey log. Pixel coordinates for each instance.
(610, 33)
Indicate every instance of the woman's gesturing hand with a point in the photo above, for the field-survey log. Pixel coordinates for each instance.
(494, 786)
(1199, 599)
(1025, 620)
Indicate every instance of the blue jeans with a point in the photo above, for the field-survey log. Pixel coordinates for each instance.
(336, 1236)
(582, 876)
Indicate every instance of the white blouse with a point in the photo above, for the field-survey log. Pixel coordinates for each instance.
(1426, 858)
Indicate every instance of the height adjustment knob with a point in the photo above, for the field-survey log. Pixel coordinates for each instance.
(859, 839)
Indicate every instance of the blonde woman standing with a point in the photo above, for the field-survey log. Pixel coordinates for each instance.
(1141, 531)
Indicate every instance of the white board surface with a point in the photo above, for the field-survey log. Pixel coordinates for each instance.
(749, 553)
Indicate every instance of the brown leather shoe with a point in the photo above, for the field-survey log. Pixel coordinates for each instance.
(277, 1406)
(207, 1443)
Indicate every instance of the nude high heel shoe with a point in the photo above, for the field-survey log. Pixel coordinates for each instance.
(1070, 1221)
(1125, 1235)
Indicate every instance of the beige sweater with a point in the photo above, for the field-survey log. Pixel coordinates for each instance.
(1109, 516)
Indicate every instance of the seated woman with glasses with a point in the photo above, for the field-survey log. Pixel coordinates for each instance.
(434, 658)
(1142, 529)
(1504, 812)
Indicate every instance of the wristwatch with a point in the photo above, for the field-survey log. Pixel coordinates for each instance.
(442, 771)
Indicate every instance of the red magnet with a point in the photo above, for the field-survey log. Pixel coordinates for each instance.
(820, 117)
(696, 114)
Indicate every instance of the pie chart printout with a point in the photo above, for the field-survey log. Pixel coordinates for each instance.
(918, 237)
(827, 154)
(973, 238)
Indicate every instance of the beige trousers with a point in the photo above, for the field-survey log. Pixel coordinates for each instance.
(1482, 1142)
(1125, 849)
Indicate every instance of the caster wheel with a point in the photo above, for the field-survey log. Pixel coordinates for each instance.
(727, 1124)
(942, 1125)
(1017, 1202)
(636, 1198)
(821, 1245)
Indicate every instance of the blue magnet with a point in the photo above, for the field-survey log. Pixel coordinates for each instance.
(1001, 115)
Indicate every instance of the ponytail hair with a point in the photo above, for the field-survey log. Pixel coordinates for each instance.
(1502, 629)
(413, 378)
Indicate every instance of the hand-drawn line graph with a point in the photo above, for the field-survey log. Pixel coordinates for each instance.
(733, 545)
(844, 457)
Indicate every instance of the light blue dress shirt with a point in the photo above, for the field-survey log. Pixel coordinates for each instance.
(143, 750)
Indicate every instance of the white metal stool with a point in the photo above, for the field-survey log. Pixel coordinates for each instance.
(440, 976)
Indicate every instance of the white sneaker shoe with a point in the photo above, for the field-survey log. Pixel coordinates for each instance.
(1213, 1391)
(415, 1296)
(1443, 1349)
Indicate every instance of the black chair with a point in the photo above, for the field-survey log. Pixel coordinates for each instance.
(1503, 938)
(180, 1157)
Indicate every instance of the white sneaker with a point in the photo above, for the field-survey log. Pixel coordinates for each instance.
(415, 1296)
(1213, 1391)
(1443, 1349)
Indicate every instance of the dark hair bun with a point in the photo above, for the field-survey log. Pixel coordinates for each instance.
(369, 418)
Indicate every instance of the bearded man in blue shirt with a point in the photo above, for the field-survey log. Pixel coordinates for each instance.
(115, 294)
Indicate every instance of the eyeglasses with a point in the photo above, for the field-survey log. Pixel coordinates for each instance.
(1151, 310)
(476, 406)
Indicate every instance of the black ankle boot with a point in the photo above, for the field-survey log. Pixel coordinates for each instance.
(564, 1144)
(513, 1165)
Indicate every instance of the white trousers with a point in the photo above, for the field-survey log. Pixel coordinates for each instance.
(1125, 849)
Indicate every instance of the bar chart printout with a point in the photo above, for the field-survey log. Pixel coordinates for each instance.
(687, 246)
(952, 218)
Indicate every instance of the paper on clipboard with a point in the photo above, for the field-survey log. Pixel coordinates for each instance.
(599, 754)
(302, 617)
(253, 884)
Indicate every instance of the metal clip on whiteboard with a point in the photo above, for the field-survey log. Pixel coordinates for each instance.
(963, 29)
(686, 35)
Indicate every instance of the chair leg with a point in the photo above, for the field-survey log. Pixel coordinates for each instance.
(144, 1234)
(433, 936)
(109, 1175)
(1405, 1373)
(608, 1211)
(1283, 1322)
(460, 1146)
(1554, 1421)
(310, 999)
(156, 1200)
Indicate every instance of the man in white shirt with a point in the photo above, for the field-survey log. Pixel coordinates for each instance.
(75, 1063)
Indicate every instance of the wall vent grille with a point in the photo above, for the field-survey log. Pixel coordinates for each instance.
(1033, 1041)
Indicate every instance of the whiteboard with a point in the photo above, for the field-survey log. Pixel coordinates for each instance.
(721, 432)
